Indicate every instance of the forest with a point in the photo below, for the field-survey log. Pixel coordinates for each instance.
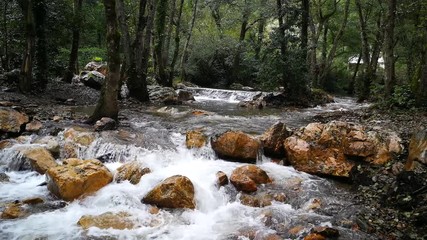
(213, 119)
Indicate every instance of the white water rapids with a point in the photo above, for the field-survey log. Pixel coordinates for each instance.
(218, 215)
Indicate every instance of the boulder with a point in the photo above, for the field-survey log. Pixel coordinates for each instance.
(222, 179)
(326, 149)
(246, 178)
(33, 126)
(97, 66)
(160, 94)
(272, 140)
(326, 232)
(11, 120)
(50, 143)
(13, 211)
(417, 149)
(33, 201)
(184, 95)
(174, 192)
(236, 146)
(81, 136)
(77, 177)
(195, 139)
(39, 158)
(105, 123)
(132, 172)
(314, 236)
(120, 220)
(92, 79)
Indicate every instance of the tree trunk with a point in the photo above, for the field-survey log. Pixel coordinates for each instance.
(41, 45)
(26, 78)
(6, 58)
(260, 37)
(73, 63)
(350, 89)
(108, 103)
(177, 42)
(390, 78)
(187, 41)
(162, 76)
(125, 36)
(304, 26)
(283, 42)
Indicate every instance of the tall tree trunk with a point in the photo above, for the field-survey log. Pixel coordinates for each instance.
(26, 78)
(304, 26)
(351, 85)
(390, 78)
(73, 60)
(108, 103)
(6, 59)
(177, 41)
(187, 40)
(162, 76)
(260, 35)
(41, 45)
(283, 42)
(214, 6)
(125, 36)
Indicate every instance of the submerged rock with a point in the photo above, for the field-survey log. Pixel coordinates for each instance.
(195, 139)
(77, 177)
(11, 120)
(236, 146)
(13, 211)
(132, 172)
(4, 177)
(246, 178)
(174, 192)
(272, 140)
(120, 220)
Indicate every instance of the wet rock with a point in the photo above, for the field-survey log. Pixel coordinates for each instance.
(132, 172)
(11, 120)
(105, 123)
(92, 79)
(160, 94)
(7, 143)
(13, 211)
(417, 149)
(33, 126)
(50, 143)
(325, 149)
(120, 220)
(174, 192)
(236, 146)
(327, 232)
(57, 118)
(33, 201)
(314, 236)
(256, 200)
(39, 158)
(246, 178)
(222, 178)
(77, 177)
(198, 112)
(97, 66)
(195, 139)
(272, 140)
(184, 95)
(80, 136)
(4, 177)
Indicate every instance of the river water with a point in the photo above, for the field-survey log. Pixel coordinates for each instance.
(311, 201)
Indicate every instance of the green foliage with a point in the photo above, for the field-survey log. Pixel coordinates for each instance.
(402, 97)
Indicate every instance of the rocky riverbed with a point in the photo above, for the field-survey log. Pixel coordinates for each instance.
(370, 167)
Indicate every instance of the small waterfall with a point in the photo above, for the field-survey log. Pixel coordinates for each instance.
(222, 94)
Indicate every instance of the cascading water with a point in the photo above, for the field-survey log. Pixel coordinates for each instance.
(158, 143)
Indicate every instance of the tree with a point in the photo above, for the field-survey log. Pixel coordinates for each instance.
(187, 40)
(389, 42)
(26, 78)
(108, 103)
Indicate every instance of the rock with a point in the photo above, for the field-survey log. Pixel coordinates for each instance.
(77, 177)
(132, 172)
(79, 136)
(198, 112)
(12, 211)
(97, 66)
(50, 143)
(7, 143)
(417, 149)
(105, 123)
(325, 149)
(57, 118)
(33, 126)
(4, 177)
(33, 201)
(184, 95)
(236, 146)
(120, 220)
(160, 94)
(259, 200)
(327, 232)
(12, 120)
(272, 140)
(195, 139)
(222, 178)
(174, 192)
(39, 158)
(314, 236)
(246, 178)
(92, 79)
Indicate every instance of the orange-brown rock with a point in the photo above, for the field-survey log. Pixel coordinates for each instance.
(195, 139)
(77, 177)
(272, 140)
(174, 192)
(132, 172)
(11, 120)
(222, 178)
(198, 112)
(417, 149)
(33, 201)
(39, 158)
(33, 126)
(236, 146)
(120, 220)
(79, 135)
(314, 236)
(12, 211)
(246, 178)
(326, 232)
